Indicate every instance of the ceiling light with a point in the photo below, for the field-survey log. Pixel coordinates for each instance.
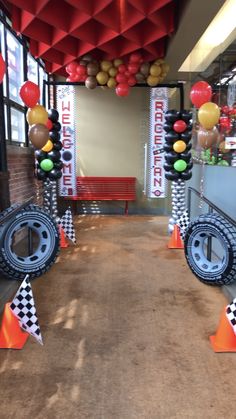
(218, 36)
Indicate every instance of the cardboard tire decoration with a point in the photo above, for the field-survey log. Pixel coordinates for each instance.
(15, 261)
(221, 270)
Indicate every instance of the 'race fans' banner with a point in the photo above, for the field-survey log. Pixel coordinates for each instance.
(156, 177)
(66, 109)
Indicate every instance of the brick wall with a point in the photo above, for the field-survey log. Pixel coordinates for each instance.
(22, 182)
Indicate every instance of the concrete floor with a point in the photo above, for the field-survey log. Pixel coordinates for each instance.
(126, 333)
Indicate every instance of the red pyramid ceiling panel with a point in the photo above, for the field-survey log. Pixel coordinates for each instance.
(62, 31)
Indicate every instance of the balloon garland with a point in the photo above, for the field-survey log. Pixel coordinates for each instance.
(117, 74)
(178, 159)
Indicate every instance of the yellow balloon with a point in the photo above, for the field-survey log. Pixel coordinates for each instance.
(208, 115)
(152, 81)
(37, 115)
(159, 61)
(179, 146)
(111, 83)
(105, 65)
(102, 77)
(48, 146)
(165, 68)
(113, 71)
(155, 70)
(117, 62)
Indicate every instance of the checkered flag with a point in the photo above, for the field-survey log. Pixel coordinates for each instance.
(24, 310)
(231, 314)
(66, 223)
(183, 223)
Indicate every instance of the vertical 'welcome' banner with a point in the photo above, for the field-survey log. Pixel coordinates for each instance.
(156, 178)
(66, 109)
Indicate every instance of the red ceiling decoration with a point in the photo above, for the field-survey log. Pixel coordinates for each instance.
(61, 31)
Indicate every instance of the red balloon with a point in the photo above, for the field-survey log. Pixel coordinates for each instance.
(122, 89)
(225, 109)
(81, 70)
(122, 68)
(49, 124)
(133, 68)
(180, 126)
(121, 78)
(71, 68)
(2, 68)
(132, 80)
(136, 57)
(29, 93)
(200, 93)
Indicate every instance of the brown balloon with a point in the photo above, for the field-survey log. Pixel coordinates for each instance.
(207, 138)
(91, 82)
(140, 78)
(144, 69)
(92, 69)
(38, 135)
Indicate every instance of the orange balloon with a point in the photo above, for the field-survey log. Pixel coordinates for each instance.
(48, 146)
(179, 146)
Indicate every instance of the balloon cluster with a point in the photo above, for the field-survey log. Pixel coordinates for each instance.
(49, 165)
(178, 162)
(117, 74)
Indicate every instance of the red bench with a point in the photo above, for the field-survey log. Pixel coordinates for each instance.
(93, 188)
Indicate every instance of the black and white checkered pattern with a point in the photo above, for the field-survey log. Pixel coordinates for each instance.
(183, 223)
(23, 308)
(66, 223)
(231, 314)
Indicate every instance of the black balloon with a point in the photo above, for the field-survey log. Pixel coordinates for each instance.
(41, 175)
(172, 157)
(186, 175)
(40, 155)
(172, 116)
(54, 174)
(186, 136)
(167, 127)
(186, 155)
(172, 175)
(168, 147)
(190, 165)
(57, 126)
(58, 165)
(57, 146)
(54, 155)
(54, 136)
(53, 115)
(186, 116)
(168, 167)
(171, 136)
(188, 147)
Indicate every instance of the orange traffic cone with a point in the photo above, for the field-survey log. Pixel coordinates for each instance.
(224, 340)
(63, 242)
(175, 240)
(11, 334)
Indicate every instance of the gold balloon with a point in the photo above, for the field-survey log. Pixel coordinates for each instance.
(117, 62)
(102, 77)
(152, 81)
(179, 146)
(105, 65)
(37, 115)
(112, 71)
(159, 61)
(111, 83)
(207, 138)
(208, 115)
(155, 70)
(165, 68)
(48, 146)
(38, 135)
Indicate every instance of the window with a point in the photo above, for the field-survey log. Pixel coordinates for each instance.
(15, 67)
(20, 66)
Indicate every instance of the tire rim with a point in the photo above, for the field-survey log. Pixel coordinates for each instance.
(198, 251)
(45, 243)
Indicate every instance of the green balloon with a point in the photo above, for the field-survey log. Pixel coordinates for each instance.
(46, 165)
(180, 165)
